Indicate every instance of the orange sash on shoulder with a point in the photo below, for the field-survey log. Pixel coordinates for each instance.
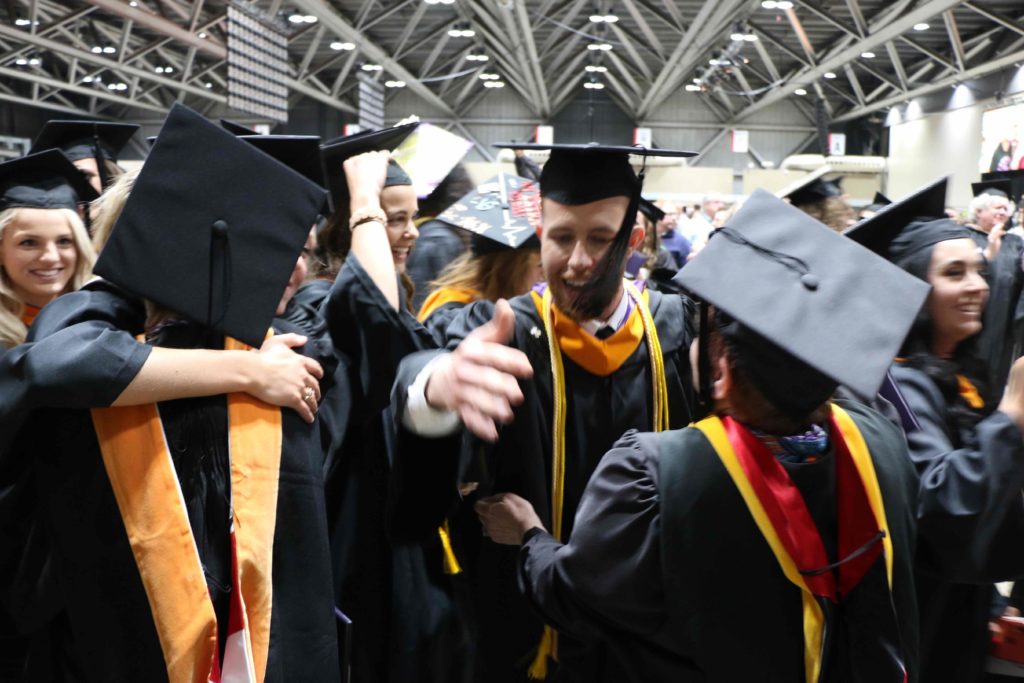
(142, 475)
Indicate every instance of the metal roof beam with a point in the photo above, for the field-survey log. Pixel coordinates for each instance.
(1002, 20)
(955, 42)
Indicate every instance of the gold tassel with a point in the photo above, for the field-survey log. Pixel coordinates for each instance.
(539, 668)
(451, 563)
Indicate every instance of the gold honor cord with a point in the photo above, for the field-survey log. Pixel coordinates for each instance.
(548, 646)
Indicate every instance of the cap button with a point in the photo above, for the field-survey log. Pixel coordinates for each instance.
(809, 281)
(220, 229)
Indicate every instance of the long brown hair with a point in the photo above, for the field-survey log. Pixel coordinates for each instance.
(496, 275)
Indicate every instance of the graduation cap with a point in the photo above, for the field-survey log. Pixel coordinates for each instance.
(212, 228)
(99, 140)
(881, 200)
(44, 180)
(301, 153)
(791, 297)
(1016, 178)
(1000, 188)
(876, 233)
(503, 213)
(428, 155)
(336, 151)
(651, 210)
(236, 128)
(811, 188)
(584, 173)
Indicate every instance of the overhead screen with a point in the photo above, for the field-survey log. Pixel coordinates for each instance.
(1001, 148)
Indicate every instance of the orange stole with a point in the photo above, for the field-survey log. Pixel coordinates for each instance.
(596, 356)
(144, 482)
(29, 313)
(446, 295)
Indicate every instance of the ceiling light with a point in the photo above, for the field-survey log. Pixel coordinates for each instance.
(690, 87)
(697, 81)
(22, 22)
(829, 75)
(749, 37)
(337, 45)
(477, 57)
(202, 35)
(489, 77)
(34, 61)
(800, 91)
(394, 84)
(737, 36)
(109, 50)
(296, 18)
(595, 69)
(208, 84)
(21, 61)
(159, 69)
(372, 67)
(96, 49)
(603, 47)
(769, 4)
(87, 79)
(309, 19)
(921, 27)
(714, 62)
(867, 55)
(784, 5)
(133, 4)
(603, 18)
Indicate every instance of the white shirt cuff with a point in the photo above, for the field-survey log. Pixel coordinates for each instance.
(422, 419)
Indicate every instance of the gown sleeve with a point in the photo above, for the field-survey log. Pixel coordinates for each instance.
(371, 334)
(608, 576)
(81, 353)
(970, 509)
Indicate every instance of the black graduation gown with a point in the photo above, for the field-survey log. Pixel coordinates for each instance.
(68, 573)
(599, 411)
(970, 525)
(667, 568)
(438, 245)
(388, 572)
(1002, 337)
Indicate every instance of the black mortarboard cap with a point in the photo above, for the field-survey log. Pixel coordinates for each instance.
(336, 151)
(1016, 178)
(236, 128)
(881, 200)
(877, 232)
(301, 153)
(811, 188)
(580, 174)
(1000, 187)
(651, 210)
(77, 138)
(44, 180)
(503, 213)
(212, 228)
(798, 305)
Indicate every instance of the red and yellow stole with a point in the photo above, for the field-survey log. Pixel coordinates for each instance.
(149, 497)
(446, 295)
(782, 517)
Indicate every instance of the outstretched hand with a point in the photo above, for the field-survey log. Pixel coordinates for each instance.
(479, 379)
(506, 518)
(287, 379)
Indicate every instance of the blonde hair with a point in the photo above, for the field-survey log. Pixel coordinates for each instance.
(832, 211)
(496, 275)
(12, 330)
(108, 208)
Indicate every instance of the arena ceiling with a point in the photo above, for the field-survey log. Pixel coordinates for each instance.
(109, 57)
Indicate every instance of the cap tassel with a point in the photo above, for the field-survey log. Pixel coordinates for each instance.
(219, 237)
(548, 648)
(451, 563)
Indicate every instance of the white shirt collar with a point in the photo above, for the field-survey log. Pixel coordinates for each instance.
(615, 320)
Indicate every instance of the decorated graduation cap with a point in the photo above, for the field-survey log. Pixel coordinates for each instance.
(336, 151)
(653, 212)
(428, 155)
(877, 233)
(812, 188)
(785, 289)
(44, 180)
(99, 140)
(501, 214)
(578, 174)
(1000, 187)
(219, 253)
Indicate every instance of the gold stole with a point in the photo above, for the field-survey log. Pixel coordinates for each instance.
(144, 482)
